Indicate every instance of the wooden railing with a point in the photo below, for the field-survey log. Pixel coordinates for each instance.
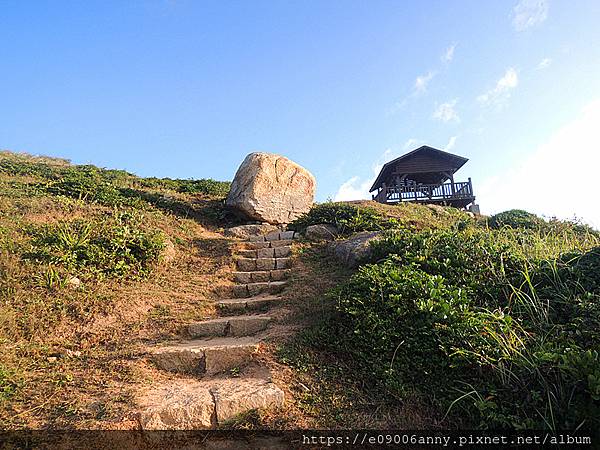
(426, 192)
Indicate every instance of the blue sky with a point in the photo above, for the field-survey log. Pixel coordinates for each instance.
(187, 88)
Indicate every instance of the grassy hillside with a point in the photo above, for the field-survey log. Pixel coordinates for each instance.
(463, 322)
(453, 320)
(94, 263)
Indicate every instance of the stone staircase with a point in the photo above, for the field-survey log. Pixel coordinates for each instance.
(221, 377)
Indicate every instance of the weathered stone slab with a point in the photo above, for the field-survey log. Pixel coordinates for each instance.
(273, 236)
(247, 325)
(265, 264)
(255, 245)
(183, 358)
(248, 231)
(281, 243)
(282, 252)
(243, 277)
(213, 327)
(180, 405)
(247, 264)
(286, 235)
(265, 252)
(232, 399)
(283, 263)
(240, 290)
(237, 305)
(257, 288)
(261, 276)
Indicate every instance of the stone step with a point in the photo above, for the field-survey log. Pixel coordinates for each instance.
(240, 305)
(205, 404)
(261, 264)
(268, 252)
(275, 236)
(206, 356)
(229, 326)
(266, 244)
(252, 289)
(261, 276)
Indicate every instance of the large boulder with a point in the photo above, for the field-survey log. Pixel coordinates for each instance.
(271, 188)
(355, 249)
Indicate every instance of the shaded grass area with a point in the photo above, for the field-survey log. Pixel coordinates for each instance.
(94, 266)
(478, 322)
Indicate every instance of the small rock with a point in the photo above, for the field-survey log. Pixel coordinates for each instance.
(321, 232)
(356, 248)
(247, 231)
(74, 282)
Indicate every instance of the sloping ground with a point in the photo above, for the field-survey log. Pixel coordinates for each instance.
(73, 330)
(100, 269)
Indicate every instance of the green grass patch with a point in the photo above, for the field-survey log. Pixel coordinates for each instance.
(498, 328)
(116, 246)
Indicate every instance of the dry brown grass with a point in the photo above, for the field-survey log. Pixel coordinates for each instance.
(75, 356)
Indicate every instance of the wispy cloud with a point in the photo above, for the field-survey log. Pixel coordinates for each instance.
(544, 63)
(529, 13)
(354, 189)
(451, 143)
(422, 81)
(357, 188)
(500, 94)
(448, 55)
(446, 112)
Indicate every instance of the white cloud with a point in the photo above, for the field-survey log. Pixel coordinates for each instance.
(529, 13)
(448, 55)
(558, 179)
(422, 81)
(357, 188)
(544, 63)
(446, 112)
(500, 94)
(451, 143)
(354, 189)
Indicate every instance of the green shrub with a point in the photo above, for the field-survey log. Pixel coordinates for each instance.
(89, 184)
(478, 323)
(346, 217)
(473, 259)
(206, 186)
(516, 218)
(118, 246)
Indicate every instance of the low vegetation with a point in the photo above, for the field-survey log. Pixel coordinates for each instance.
(493, 323)
(453, 320)
(93, 263)
(351, 217)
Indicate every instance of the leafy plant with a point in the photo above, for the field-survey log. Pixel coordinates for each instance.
(516, 218)
(346, 217)
(118, 246)
(499, 327)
